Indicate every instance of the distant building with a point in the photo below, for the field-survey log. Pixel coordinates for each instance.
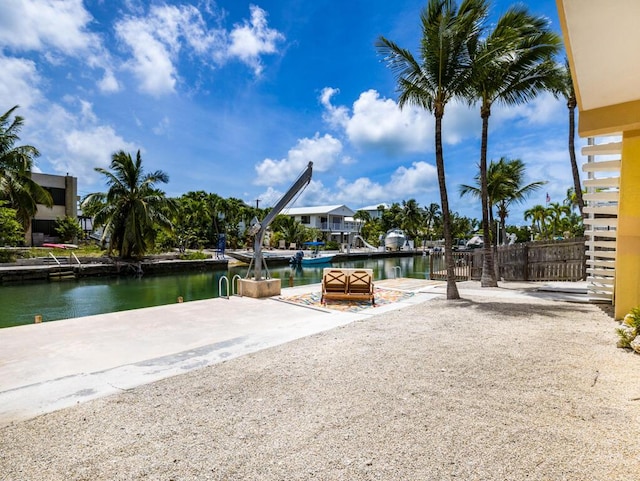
(64, 192)
(373, 210)
(335, 222)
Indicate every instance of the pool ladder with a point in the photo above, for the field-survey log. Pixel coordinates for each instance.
(226, 283)
(397, 272)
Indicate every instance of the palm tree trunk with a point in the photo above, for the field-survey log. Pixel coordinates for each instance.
(452, 288)
(488, 278)
(572, 156)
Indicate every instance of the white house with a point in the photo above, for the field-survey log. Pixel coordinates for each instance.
(334, 221)
(373, 210)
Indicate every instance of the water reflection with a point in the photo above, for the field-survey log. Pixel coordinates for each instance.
(76, 298)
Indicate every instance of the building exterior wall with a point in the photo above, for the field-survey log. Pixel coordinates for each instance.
(65, 193)
(627, 291)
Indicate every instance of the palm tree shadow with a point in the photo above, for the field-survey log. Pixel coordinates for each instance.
(515, 310)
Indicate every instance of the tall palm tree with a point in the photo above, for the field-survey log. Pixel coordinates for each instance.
(564, 87)
(511, 65)
(443, 73)
(16, 162)
(131, 207)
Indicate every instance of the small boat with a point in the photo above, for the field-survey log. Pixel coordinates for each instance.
(395, 240)
(59, 246)
(315, 258)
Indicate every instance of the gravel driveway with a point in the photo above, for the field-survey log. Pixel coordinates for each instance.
(485, 388)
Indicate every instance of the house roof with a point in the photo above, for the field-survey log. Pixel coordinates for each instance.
(340, 209)
(375, 206)
(601, 38)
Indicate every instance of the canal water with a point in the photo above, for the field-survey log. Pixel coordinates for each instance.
(63, 299)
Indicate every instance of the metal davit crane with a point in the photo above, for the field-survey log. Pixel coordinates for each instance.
(258, 229)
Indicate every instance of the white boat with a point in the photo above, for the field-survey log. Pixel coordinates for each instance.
(395, 240)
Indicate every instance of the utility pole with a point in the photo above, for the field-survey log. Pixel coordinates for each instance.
(258, 203)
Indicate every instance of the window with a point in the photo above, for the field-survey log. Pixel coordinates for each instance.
(305, 219)
(57, 194)
(46, 227)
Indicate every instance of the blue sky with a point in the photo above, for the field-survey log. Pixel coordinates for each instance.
(234, 98)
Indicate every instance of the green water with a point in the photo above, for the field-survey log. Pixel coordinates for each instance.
(64, 299)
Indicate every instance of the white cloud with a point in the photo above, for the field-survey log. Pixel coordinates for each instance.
(76, 142)
(542, 110)
(376, 123)
(109, 83)
(404, 183)
(18, 82)
(419, 178)
(253, 38)
(323, 151)
(40, 24)
(157, 39)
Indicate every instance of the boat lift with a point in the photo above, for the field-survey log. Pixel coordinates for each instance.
(258, 229)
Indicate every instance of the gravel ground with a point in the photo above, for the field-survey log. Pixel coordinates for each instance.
(485, 388)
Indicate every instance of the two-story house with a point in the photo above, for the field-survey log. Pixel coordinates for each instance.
(335, 222)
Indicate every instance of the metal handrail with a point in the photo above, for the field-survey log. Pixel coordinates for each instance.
(226, 279)
(55, 259)
(397, 272)
(233, 283)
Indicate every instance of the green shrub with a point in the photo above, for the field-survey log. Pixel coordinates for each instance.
(11, 232)
(194, 256)
(68, 229)
(331, 246)
(7, 256)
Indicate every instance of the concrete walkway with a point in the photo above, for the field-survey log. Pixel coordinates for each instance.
(53, 365)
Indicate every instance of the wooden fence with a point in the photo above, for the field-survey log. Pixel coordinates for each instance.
(562, 260)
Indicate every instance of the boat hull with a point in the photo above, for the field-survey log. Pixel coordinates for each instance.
(395, 240)
(316, 261)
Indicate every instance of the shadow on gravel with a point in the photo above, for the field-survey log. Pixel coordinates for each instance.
(517, 310)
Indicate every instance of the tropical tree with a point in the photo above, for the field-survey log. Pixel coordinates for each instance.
(564, 88)
(538, 215)
(411, 218)
(193, 220)
(504, 186)
(511, 65)
(431, 217)
(16, 162)
(443, 73)
(132, 206)
(556, 214)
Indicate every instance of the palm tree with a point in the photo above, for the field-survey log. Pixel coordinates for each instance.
(16, 162)
(443, 73)
(412, 218)
(564, 87)
(556, 213)
(538, 215)
(431, 215)
(131, 207)
(510, 66)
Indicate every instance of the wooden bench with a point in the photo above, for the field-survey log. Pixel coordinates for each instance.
(347, 285)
